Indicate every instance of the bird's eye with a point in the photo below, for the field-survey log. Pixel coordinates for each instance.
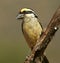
(24, 11)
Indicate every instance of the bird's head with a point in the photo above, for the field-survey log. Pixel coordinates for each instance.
(25, 12)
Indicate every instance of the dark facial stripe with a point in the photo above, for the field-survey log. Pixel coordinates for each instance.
(36, 16)
(26, 12)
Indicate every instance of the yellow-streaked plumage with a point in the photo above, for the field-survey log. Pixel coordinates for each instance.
(31, 27)
(32, 31)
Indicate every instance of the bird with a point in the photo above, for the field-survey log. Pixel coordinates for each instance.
(31, 27)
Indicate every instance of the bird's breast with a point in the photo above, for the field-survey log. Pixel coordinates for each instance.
(32, 30)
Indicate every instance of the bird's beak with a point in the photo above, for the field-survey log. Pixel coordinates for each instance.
(20, 16)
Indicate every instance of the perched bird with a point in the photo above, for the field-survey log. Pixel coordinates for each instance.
(31, 27)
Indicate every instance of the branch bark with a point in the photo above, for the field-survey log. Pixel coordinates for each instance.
(45, 39)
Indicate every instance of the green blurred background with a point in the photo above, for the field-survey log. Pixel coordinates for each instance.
(13, 47)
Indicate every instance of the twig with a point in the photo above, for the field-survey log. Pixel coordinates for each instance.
(45, 39)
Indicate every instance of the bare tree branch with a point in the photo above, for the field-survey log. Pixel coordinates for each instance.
(44, 40)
